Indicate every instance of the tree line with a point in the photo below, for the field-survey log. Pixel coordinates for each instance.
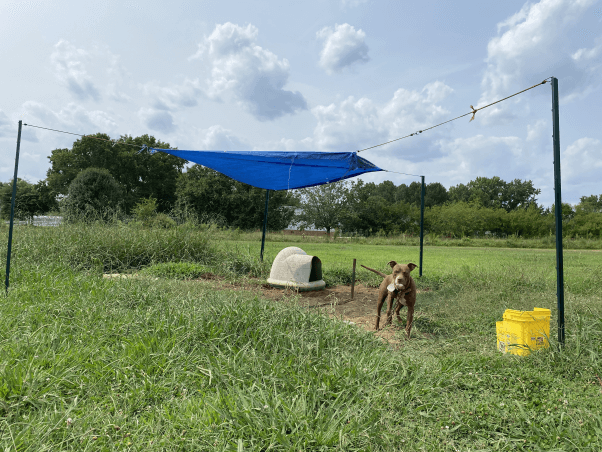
(482, 207)
(102, 179)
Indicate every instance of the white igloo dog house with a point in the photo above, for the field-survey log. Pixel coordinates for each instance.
(293, 268)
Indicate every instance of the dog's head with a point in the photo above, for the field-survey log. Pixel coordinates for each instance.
(401, 274)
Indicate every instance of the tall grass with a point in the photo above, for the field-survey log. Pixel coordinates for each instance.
(88, 363)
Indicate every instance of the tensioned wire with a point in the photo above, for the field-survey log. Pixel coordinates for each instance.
(473, 113)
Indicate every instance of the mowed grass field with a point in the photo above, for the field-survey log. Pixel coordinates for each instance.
(89, 363)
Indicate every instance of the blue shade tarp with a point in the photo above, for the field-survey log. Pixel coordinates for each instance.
(280, 170)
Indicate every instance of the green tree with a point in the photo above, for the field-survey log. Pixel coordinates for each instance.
(496, 193)
(140, 173)
(435, 194)
(30, 200)
(324, 206)
(93, 195)
(590, 204)
(213, 196)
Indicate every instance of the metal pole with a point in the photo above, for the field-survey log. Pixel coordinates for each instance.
(421, 222)
(353, 279)
(558, 212)
(265, 222)
(12, 208)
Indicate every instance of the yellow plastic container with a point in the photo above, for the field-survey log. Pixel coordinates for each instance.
(523, 331)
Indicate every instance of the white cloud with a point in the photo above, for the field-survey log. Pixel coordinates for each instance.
(218, 138)
(247, 73)
(343, 47)
(73, 118)
(69, 65)
(581, 163)
(588, 54)
(118, 79)
(534, 44)
(354, 124)
(6, 128)
(159, 120)
(352, 3)
(174, 96)
(536, 131)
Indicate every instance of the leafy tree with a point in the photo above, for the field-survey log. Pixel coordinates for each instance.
(93, 195)
(324, 206)
(213, 196)
(140, 173)
(590, 204)
(30, 200)
(496, 193)
(435, 194)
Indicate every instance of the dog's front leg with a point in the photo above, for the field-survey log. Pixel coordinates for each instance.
(410, 320)
(379, 306)
(389, 308)
(400, 304)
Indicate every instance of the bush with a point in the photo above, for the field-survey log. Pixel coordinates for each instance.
(94, 195)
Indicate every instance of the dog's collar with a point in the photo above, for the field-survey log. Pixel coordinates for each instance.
(396, 291)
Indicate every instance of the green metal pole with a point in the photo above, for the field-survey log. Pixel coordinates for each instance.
(265, 222)
(558, 212)
(421, 223)
(12, 208)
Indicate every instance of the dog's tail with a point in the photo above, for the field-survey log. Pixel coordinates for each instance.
(375, 271)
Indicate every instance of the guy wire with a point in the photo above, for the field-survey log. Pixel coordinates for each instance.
(473, 113)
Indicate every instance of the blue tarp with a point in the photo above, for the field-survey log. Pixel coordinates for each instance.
(280, 170)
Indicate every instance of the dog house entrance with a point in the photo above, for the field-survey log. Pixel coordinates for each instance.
(316, 269)
(294, 268)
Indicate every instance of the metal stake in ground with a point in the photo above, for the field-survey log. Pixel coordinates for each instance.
(353, 279)
(558, 212)
(12, 208)
(265, 222)
(421, 222)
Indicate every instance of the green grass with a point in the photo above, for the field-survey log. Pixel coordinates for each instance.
(172, 364)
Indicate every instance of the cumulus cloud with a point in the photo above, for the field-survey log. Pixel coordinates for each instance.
(159, 120)
(72, 117)
(249, 74)
(69, 66)
(174, 96)
(118, 79)
(343, 47)
(580, 162)
(532, 45)
(354, 124)
(6, 128)
(218, 138)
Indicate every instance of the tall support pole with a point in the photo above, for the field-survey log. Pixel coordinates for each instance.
(421, 222)
(265, 222)
(12, 208)
(558, 212)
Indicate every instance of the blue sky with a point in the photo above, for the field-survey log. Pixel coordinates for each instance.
(329, 75)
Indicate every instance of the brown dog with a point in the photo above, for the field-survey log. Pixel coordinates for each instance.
(398, 285)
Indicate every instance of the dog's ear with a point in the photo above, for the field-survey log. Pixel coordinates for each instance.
(412, 266)
(392, 264)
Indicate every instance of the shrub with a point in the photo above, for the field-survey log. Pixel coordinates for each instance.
(94, 195)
